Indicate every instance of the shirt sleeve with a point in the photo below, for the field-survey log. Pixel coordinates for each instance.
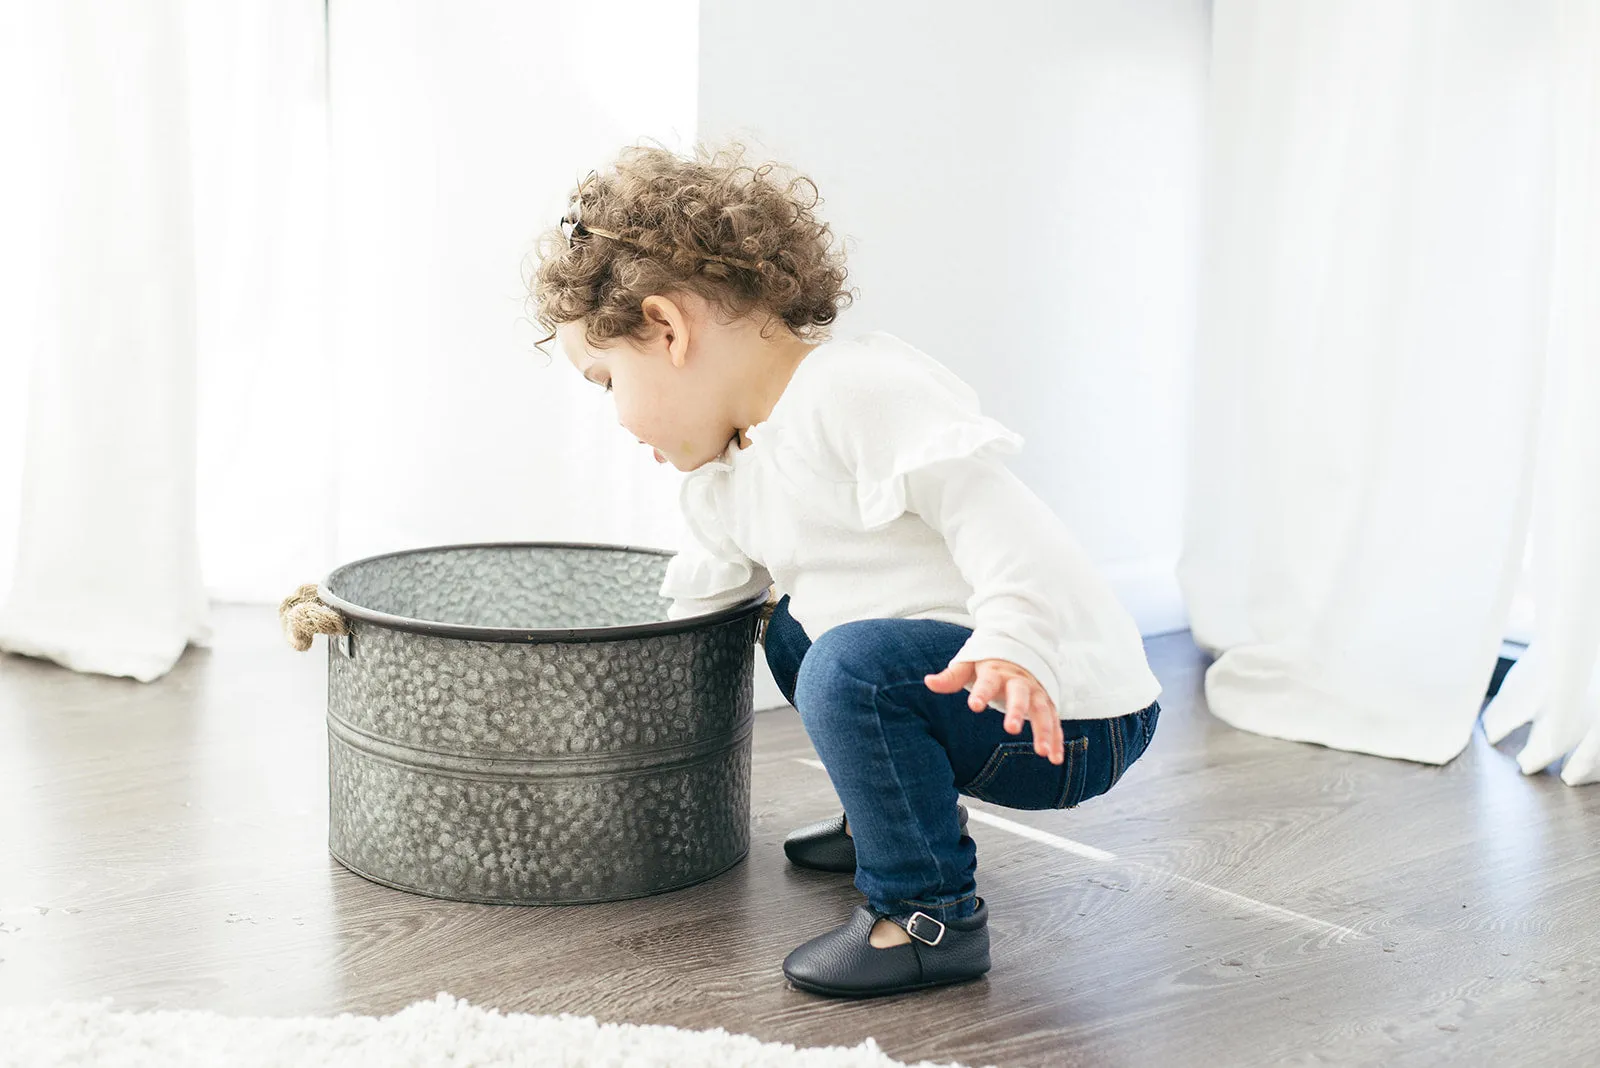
(708, 573)
(913, 439)
(1004, 539)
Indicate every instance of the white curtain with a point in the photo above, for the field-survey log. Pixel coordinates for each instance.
(1556, 686)
(269, 308)
(106, 564)
(1393, 352)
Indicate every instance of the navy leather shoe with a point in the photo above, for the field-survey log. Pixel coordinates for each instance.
(844, 963)
(823, 846)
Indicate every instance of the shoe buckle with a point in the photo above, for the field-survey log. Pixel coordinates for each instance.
(911, 928)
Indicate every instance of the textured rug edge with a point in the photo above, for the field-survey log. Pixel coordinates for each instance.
(443, 1031)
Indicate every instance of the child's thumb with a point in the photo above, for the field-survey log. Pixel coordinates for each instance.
(950, 679)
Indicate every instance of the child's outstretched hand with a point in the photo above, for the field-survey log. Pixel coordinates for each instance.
(1025, 699)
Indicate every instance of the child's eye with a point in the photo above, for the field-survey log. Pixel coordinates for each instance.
(608, 385)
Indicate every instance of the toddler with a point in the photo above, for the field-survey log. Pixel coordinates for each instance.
(938, 628)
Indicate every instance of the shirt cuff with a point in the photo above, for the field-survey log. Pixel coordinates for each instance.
(699, 584)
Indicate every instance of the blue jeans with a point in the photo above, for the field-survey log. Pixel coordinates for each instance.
(899, 754)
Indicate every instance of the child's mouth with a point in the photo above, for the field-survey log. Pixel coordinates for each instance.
(659, 458)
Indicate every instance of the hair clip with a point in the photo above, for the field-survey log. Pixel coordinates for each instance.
(572, 222)
(572, 227)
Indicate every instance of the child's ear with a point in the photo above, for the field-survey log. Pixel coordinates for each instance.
(669, 326)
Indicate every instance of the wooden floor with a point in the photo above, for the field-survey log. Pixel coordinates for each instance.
(1236, 900)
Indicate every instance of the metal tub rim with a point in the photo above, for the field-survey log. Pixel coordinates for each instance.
(534, 635)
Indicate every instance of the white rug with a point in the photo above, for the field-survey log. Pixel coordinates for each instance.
(444, 1031)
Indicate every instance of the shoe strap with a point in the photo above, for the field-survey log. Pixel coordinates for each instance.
(928, 925)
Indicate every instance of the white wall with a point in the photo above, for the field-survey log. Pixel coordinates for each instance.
(366, 373)
(458, 131)
(24, 185)
(1028, 164)
(1020, 184)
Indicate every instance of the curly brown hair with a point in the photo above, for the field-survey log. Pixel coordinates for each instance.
(743, 237)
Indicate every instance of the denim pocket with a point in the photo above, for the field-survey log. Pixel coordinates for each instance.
(1017, 777)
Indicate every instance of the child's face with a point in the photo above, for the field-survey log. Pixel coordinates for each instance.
(664, 392)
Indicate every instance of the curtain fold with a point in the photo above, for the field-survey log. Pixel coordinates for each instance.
(107, 575)
(279, 316)
(1556, 685)
(276, 323)
(1373, 362)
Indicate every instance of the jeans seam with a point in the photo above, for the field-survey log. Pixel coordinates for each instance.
(1076, 749)
(1114, 730)
(922, 838)
(1151, 714)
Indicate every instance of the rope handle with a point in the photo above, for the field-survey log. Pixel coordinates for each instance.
(304, 616)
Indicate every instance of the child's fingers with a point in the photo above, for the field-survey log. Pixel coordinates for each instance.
(1026, 702)
(1046, 726)
(1018, 701)
(989, 686)
(1045, 709)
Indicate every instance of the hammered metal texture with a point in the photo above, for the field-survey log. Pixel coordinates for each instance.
(536, 773)
(515, 586)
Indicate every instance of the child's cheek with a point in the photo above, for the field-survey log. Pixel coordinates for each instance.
(626, 416)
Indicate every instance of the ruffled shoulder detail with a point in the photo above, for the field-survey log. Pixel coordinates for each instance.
(886, 409)
(882, 499)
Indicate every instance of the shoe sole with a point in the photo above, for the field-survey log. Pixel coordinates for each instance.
(817, 988)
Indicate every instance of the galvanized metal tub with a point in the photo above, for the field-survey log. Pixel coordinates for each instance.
(520, 724)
